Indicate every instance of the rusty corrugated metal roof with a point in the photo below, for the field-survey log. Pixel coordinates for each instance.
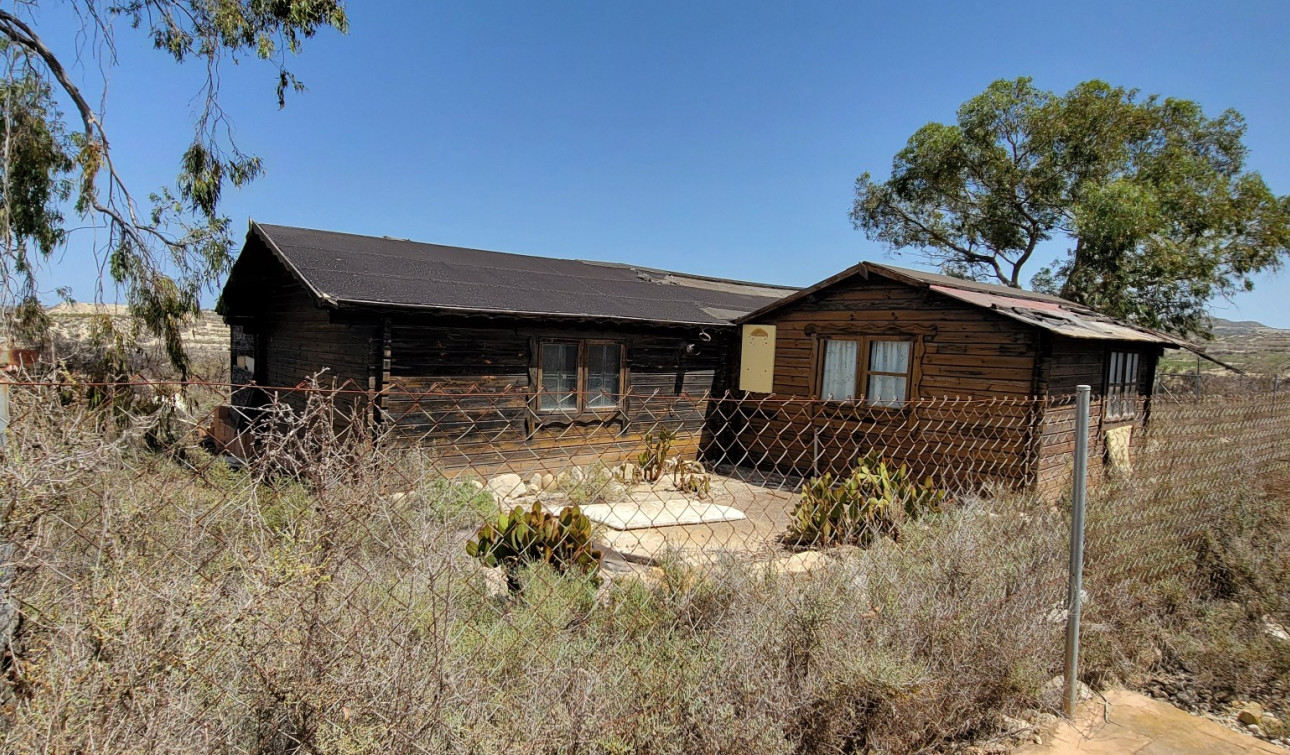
(1055, 318)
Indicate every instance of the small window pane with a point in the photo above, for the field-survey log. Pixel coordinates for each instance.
(889, 356)
(839, 379)
(602, 375)
(886, 390)
(559, 376)
(1122, 384)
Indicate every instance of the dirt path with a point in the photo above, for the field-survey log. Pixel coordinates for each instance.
(1133, 723)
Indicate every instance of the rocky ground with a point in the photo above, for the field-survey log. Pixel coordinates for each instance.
(1179, 688)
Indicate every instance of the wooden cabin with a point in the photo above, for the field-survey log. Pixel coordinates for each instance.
(968, 382)
(493, 358)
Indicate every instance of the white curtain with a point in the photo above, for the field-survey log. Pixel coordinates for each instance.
(839, 382)
(560, 376)
(886, 390)
(603, 362)
(888, 356)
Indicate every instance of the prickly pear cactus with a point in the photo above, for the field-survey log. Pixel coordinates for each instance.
(522, 537)
(875, 499)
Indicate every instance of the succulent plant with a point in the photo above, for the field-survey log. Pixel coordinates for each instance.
(691, 477)
(875, 499)
(523, 537)
(653, 460)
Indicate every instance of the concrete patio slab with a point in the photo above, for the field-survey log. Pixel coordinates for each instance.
(765, 502)
(637, 515)
(1132, 724)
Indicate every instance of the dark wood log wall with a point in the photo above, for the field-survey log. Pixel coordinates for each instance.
(1065, 364)
(467, 390)
(959, 351)
(291, 337)
(301, 340)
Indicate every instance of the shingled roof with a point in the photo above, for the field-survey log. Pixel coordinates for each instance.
(342, 269)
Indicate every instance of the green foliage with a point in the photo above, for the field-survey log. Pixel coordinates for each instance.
(691, 477)
(160, 256)
(523, 537)
(653, 460)
(452, 500)
(34, 183)
(874, 500)
(595, 484)
(1153, 195)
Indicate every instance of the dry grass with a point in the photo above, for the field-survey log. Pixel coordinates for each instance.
(170, 602)
(1206, 619)
(173, 603)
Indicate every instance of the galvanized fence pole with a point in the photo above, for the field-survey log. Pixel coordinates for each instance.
(1079, 492)
(4, 398)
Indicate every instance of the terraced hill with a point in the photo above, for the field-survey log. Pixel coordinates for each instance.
(206, 339)
(1252, 346)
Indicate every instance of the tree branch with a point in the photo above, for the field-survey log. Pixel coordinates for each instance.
(21, 34)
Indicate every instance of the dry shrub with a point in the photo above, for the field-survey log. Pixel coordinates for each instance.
(321, 600)
(174, 603)
(1187, 564)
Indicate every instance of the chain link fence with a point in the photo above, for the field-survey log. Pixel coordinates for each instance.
(194, 567)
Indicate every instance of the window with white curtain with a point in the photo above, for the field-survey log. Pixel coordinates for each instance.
(839, 380)
(876, 368)
(559, 377)
(888, 373)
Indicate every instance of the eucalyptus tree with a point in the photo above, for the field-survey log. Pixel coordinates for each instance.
(57, 165)
(1152, 196)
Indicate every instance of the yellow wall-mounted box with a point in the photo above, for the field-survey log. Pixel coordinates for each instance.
(757, 359)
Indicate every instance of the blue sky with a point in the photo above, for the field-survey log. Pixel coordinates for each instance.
(715, 138)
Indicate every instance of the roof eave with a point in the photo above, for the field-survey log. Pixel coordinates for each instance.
(321, 298)
(522, 315)
(1207, 357)
(858, 269)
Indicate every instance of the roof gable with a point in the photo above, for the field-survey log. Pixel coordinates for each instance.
(1051, 313)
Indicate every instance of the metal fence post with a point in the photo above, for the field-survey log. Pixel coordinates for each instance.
(4, 411)
(1079, 491)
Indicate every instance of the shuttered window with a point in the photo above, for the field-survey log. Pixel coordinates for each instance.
(575, 376)
(876, 368)
(1122, 385)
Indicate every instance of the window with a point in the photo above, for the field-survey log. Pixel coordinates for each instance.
(559, 377)
(1122, 385)
(578, 376)
(877, 367)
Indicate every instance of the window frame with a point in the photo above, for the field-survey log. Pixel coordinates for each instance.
(864, 344)
(581, 380)
(1118, 406)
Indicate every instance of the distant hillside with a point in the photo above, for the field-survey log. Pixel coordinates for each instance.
(1249, 345)
(206, 339)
